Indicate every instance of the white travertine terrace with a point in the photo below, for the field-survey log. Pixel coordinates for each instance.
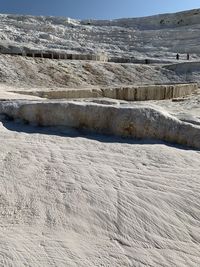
(81, 198)
(128, 93)
(137, 121)
(157, 37)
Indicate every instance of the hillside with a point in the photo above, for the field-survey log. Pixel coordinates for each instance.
(17, 70)
(158, 36)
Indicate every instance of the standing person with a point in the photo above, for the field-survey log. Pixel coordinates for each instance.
(188, 56)
(177, 56)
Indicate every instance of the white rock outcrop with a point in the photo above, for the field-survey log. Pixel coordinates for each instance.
(157, 37)
(138, 121)
(128, 93)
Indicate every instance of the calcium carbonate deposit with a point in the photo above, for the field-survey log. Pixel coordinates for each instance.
(100, 161)
(139, 121)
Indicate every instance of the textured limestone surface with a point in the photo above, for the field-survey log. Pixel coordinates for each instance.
(128, 93)
(149, 92)
(47, 73)
(68, 199)
(158, 37)
(137, 121)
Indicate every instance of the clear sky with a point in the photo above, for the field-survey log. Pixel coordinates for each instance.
(99, 9)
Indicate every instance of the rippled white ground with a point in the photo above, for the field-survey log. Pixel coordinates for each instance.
(85, 200)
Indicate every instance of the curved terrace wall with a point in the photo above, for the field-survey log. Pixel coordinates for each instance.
(139, 121)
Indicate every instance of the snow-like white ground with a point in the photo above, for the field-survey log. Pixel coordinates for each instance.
(73, 200)
(68, 198)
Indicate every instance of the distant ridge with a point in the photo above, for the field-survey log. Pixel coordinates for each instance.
(183, 18)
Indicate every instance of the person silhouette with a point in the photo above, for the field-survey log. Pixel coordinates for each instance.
(177, 56)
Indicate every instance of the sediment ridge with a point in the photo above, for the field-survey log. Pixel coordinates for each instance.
(138, 121)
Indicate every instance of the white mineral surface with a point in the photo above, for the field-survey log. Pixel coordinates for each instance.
(158, 37)
(89, 200)
(137, 121)
(69, 197)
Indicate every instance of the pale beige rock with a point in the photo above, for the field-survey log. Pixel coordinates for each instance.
(149, 92)
(138, 121)
(128, 93)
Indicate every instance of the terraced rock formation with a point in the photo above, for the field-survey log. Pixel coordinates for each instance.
(71, 195)
(138, 121)
(155, 37)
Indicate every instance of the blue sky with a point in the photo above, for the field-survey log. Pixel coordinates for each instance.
(99, 9)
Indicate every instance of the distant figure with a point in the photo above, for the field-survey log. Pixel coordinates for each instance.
(188, 56)
(177, 56)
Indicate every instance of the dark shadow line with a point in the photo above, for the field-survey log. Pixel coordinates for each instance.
(84, 133)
